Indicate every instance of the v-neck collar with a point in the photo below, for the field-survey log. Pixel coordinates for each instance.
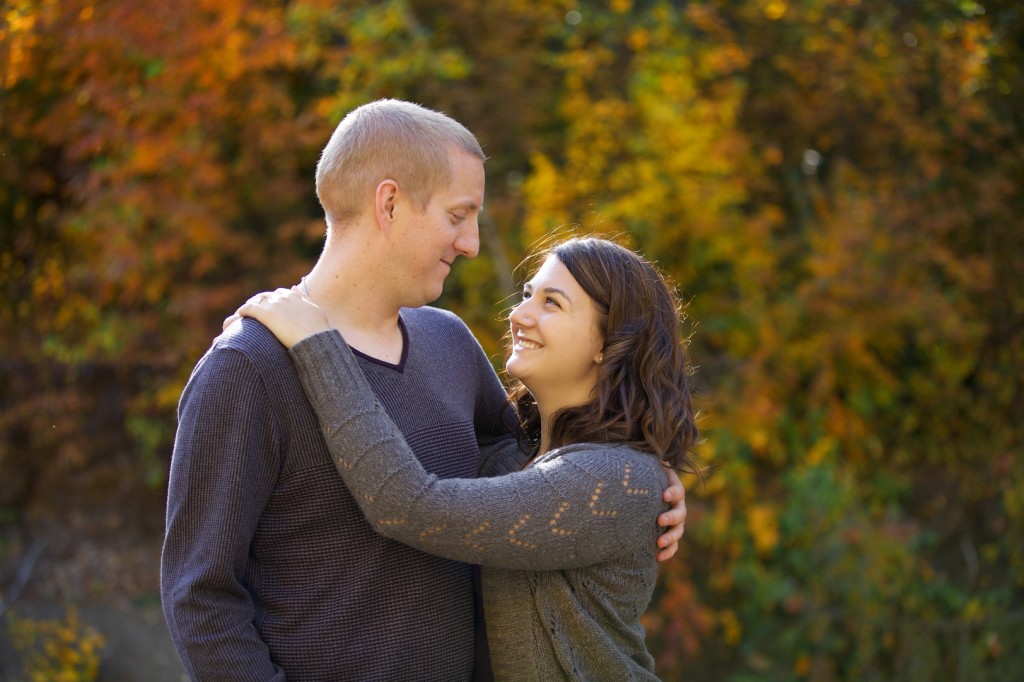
(400, 367)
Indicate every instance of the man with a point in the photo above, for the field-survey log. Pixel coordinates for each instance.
(269, 568)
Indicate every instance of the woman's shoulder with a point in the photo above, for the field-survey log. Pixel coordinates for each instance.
(617, 451)
(614, 483)
(605, 459)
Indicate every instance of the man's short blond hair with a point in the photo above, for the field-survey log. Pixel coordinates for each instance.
(384, 139)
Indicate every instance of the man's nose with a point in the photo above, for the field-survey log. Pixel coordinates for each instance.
(467, 243)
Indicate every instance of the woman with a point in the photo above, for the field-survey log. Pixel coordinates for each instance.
(603, 398)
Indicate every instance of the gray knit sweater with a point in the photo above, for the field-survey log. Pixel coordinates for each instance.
(566, 544)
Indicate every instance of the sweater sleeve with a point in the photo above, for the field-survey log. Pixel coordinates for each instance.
(495, 421)
(223, 470)
(502, 457)
(588, 504)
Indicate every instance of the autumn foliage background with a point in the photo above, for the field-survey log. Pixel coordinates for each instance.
(835, 186)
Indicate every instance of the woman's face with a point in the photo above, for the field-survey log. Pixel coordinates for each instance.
(556, 340)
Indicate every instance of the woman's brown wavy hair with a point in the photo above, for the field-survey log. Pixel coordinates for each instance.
(643, 393)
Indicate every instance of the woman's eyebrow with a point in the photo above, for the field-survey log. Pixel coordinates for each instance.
(556, 290)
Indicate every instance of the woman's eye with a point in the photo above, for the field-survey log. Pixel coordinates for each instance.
(551, 301)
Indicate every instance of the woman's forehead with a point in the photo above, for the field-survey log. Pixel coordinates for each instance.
(552, 269)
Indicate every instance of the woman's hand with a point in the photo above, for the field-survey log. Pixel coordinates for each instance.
(290, 315)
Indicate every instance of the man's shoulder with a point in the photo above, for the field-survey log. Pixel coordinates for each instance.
(441, 325)
(245, 360)
(251, 338)
(429, 315)
(246, 343)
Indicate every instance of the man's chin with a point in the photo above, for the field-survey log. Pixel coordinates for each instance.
(431, 295)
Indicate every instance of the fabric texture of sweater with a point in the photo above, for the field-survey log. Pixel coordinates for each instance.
(269, 568)
(566, 543)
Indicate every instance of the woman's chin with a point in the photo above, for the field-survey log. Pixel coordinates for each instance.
(514, 368)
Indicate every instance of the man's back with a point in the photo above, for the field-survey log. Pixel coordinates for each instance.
(268, 562)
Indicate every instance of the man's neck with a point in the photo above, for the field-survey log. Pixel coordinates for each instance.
(356, 303)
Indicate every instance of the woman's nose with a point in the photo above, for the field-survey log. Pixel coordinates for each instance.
(520, 315)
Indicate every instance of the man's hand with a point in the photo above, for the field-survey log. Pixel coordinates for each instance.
(674, 519)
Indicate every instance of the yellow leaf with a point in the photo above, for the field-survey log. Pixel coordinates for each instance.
(764, 527)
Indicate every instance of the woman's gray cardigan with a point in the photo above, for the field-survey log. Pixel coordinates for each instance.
(567, 544)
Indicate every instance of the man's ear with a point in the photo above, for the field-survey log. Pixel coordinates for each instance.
(385, 201)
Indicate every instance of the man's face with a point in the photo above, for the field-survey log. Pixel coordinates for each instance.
(427, 242)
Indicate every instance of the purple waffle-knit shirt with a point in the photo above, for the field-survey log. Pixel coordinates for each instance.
(269, 569)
